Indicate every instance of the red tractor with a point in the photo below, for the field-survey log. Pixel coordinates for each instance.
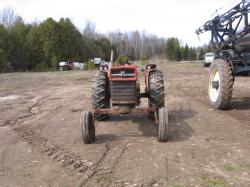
(116, 90)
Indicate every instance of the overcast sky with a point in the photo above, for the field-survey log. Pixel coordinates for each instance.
(166, 18)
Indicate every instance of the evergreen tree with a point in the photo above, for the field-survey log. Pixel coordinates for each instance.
(173, 51)
(186, 52)
(104, 48)
(201, 53)
(42, 46)
(70, 40)
(49, 32)
(192, 54)
(18, 51)
(36, 56)
(3, 48)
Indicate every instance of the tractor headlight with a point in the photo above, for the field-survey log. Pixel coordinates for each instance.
(100, 68)
(149, 67)
(105, 68)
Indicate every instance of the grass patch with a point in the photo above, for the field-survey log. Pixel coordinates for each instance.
(229, 167)
(144, 62)
(175, 185)
(213, 181)
(245, 166)
(180, 66)
(89, 65)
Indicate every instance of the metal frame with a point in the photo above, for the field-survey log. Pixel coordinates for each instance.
(225, 32)
(124, 110)
(128, 110)
(225, 28)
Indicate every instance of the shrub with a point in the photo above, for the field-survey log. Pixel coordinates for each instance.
(89, 65)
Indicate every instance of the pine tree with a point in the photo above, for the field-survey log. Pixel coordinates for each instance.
(201, 53)
(3, 48)
(173, 50)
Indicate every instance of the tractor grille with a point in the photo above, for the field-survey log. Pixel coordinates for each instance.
(123, 73)
(123, 92)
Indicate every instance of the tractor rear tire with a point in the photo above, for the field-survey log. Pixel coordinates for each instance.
(163, 126)
(88, 127)
(100, 96)
(156, 91)
(221, 82)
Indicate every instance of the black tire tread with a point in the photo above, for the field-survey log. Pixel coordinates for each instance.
(163, 126)
(99, 94)
(227, 82)
(86, 128)
(156, 89)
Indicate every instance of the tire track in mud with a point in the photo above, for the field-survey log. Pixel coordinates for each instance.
(23, 126)
(26, 113)
(71, 161)
(194, 97)
(15, 157)
(94, 170)
(235, 113)
(102, 174)
(67, 159)
(7, 162)
(212, 168)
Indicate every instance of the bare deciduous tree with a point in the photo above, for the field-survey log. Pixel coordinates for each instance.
(8, 17)
(89, 29)
(137, 44)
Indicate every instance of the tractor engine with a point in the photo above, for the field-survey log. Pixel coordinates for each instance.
(124, 88)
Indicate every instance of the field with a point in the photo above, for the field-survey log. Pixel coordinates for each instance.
(41, 144)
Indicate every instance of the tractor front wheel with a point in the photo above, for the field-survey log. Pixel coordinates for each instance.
(88, 127)
(221, 82)
(163, 126)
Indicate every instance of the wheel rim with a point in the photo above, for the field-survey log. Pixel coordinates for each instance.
(214, 84)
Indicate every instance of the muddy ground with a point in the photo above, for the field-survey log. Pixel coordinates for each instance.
(41, 144)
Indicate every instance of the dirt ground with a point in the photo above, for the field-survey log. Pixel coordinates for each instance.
(41, 144)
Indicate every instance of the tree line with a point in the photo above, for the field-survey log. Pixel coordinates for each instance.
(176, 52)
(41, 46)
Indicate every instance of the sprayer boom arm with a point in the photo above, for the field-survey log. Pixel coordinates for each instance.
(227, 28)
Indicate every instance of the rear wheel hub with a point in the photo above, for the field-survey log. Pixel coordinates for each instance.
(215, 84)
